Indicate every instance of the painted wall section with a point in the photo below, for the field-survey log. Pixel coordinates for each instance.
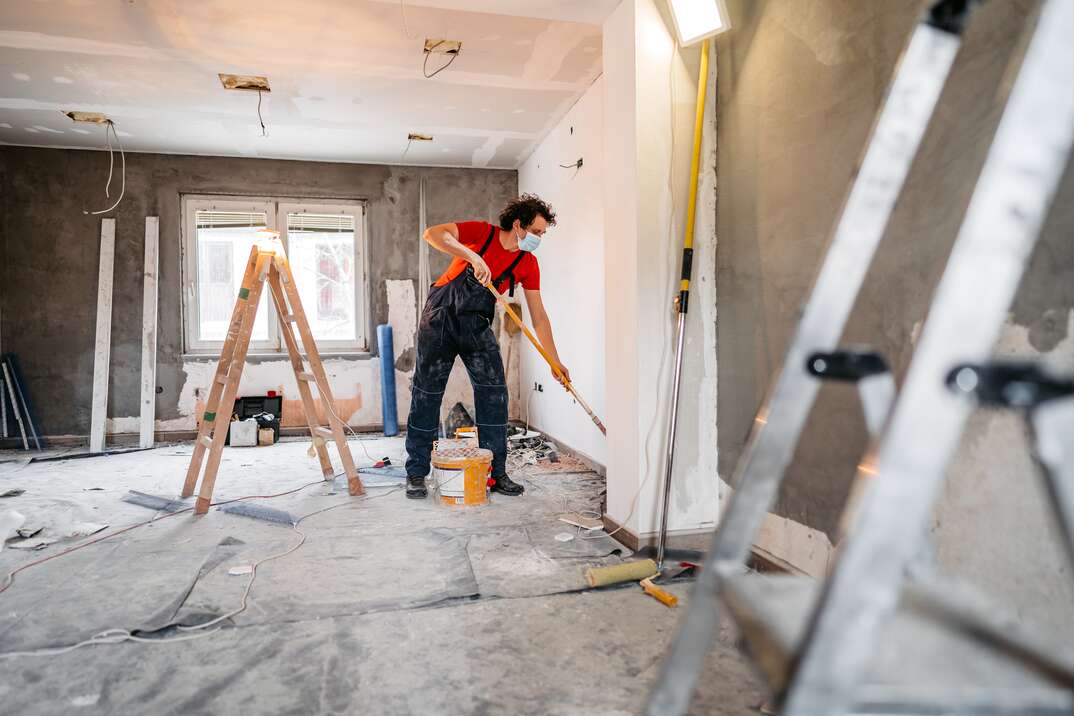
(650, 94)
(800, 85)
(49, 279)
(572, 276)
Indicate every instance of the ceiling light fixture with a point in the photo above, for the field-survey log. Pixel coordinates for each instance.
(697, 20)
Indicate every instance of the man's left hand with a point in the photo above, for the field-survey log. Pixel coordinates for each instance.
(564, 376)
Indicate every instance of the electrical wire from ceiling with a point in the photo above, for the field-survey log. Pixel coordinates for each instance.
(109, 132)
(425, 64)
(408, 143)
(264, 132)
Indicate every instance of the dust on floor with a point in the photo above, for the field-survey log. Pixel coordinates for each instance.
(376, 604)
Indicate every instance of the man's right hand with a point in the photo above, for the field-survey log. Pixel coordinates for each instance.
(481, 270)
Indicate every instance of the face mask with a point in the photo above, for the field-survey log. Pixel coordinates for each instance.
(529, 242)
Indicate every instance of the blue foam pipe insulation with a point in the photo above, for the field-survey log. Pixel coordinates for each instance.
(388, 408)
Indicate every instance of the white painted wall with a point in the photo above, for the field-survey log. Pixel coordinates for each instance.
(650, 94)
(572, 276)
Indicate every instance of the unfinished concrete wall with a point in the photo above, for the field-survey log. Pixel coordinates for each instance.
(799, 87)
(49, 273)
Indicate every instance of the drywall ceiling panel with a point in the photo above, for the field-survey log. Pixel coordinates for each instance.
(346, 76)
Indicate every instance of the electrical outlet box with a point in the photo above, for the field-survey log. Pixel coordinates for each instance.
(245, 82)
(92, 117)
(436, 46)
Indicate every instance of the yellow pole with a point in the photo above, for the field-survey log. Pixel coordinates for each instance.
(683, 299)
(556, 370)
(695, 166)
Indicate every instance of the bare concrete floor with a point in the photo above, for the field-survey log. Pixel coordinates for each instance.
(378, 605)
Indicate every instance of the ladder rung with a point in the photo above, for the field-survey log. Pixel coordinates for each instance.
(221, 379)
(290, 318)
(207, 441)
(308, 377)
(323, 432)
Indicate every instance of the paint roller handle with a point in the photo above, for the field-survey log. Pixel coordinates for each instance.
(664, 597)
(557, 369)
(552, 363)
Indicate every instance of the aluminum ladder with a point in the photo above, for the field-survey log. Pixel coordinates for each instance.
(867, 639)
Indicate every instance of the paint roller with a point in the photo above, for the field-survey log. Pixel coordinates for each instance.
(642, 571)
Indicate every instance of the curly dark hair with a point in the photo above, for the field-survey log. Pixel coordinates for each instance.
(526, 208)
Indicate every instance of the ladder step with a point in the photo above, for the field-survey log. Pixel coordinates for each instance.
(917, 658)
(207, 441)
(323, 432)
(290, 318)
(308, 377)
(221, 379)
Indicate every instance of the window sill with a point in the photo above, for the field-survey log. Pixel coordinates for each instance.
(265, 356)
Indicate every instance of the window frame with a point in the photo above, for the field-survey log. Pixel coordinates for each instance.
(276, 210)
(356, 209)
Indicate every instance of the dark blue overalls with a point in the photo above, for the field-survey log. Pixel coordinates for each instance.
(457, 321)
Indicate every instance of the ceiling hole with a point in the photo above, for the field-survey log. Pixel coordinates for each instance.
(21, 76)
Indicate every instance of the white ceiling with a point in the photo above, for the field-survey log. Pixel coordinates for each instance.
(346, 76)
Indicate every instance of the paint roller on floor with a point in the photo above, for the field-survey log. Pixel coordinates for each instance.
(556, 371)
(643, 571)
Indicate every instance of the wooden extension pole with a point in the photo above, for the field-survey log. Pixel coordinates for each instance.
(556, 371)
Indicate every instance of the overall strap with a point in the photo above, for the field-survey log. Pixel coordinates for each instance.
(509, 273)
(488, 241)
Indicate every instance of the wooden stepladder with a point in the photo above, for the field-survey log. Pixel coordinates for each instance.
(267, 263)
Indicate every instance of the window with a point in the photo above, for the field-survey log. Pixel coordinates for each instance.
(323, 244)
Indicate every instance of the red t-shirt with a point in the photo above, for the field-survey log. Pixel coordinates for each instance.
(473, 235)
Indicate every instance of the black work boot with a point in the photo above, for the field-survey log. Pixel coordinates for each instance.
(506, 486)
(415, 488)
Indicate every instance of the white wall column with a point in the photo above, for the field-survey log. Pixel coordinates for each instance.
(650, 94)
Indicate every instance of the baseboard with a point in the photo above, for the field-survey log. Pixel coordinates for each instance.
(782, 545)
(694, 540)
(161, 436)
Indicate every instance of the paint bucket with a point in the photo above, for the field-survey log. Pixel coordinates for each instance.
(461, 474)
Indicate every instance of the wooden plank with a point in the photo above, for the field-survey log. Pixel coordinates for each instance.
(3, 408)
(103, 348)
(149, 333)
(14, 404)
(3, 392)
(212, 405)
